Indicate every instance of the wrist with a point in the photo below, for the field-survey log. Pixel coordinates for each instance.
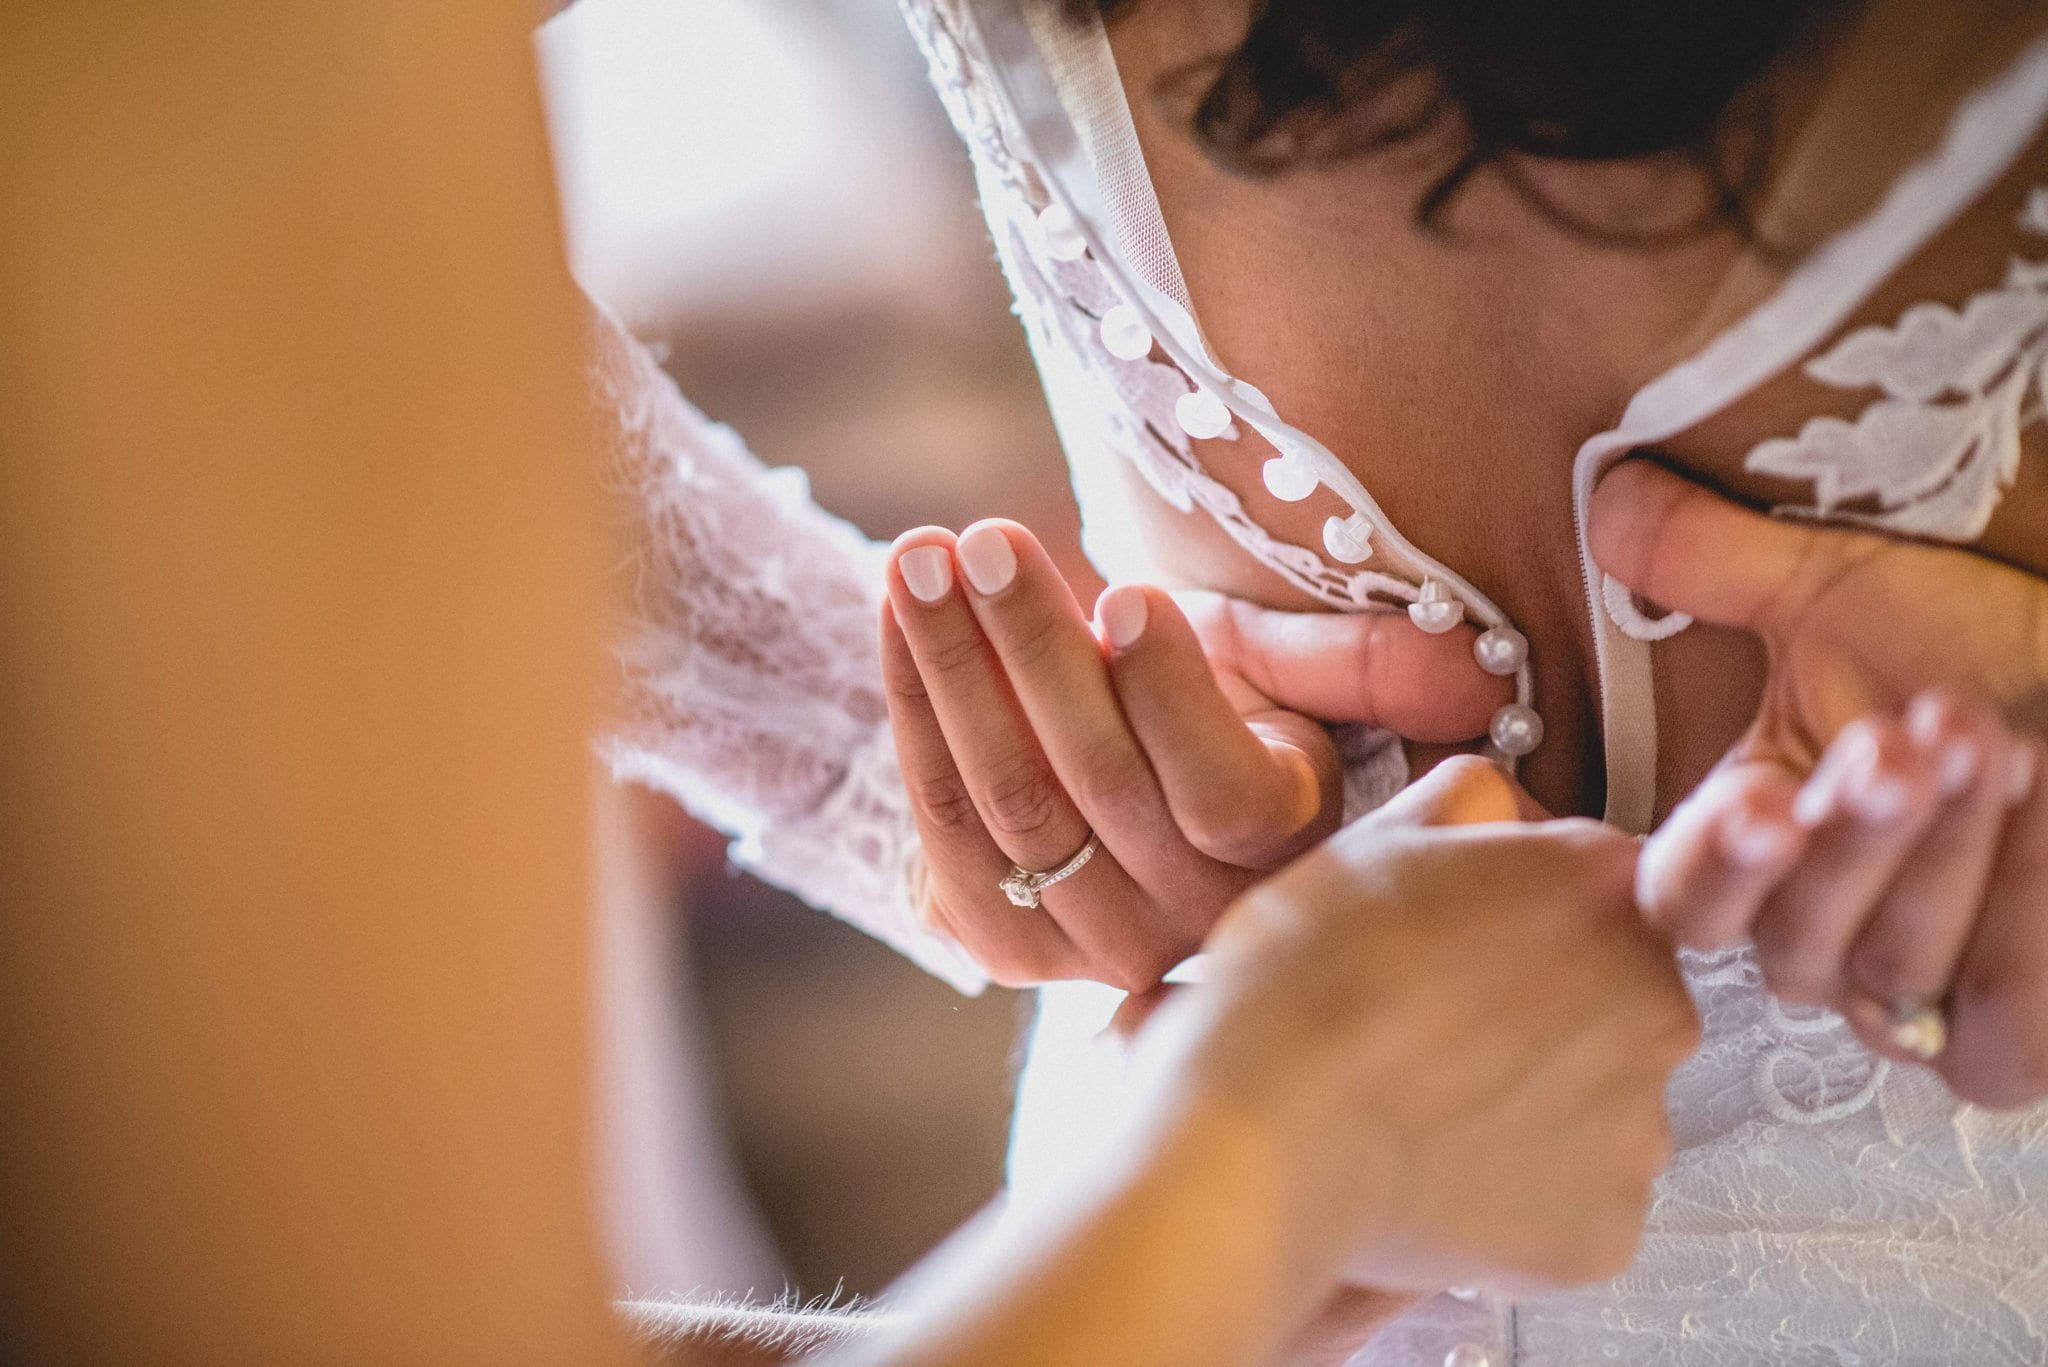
(1293, 1199)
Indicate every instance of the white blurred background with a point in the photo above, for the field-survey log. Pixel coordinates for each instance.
(768, 191)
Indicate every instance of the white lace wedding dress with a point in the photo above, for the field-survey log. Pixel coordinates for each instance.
(1823, 1207)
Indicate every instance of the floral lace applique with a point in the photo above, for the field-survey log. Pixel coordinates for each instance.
(1942, 446)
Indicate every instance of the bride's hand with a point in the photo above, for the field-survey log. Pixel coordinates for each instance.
(1023, 734)
(1879, 831)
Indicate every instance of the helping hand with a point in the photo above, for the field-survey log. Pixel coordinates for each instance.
(1444, 1037)
(1880, 830)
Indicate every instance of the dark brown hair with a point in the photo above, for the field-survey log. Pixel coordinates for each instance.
(1579, 80)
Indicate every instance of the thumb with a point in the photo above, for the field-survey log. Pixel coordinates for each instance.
(1689, 550)
(1464, 790)
(1378, 668)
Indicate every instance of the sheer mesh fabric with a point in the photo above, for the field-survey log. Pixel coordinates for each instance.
(750, 669)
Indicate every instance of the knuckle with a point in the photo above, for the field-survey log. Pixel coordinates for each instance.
(1022, 797)
(947, 805)
(1801, 979)
(1229, 832)
(953, 655)
(1031, 636)
(1116, 785)
(1800, 964)
(1885, 968)
(905, 687)
(1824, 566)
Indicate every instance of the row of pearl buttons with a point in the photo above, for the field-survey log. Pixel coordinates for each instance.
(1516, 729)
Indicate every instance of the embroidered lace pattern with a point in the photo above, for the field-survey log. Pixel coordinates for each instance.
(750, 666)
(1107, 408)
(1822, 1207)
(1936, 452)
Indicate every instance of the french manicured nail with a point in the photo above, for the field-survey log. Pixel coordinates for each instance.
(1874, 793)
(927, 572)
(989, 559)
(1923, 720)
(1123, 613)
(1755, 844)
(1956, 763)
(1879, 799)
(1957, 768)
(1815, 803)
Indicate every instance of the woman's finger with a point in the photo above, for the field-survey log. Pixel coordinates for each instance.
(1690, 550)
(1906, 957)
(1015, 946)
(1997, 1051)
(1705, 874)
(1023, 802)
(1009, 777)
(1055, 666)
(1464, 790)
(1373, 667)
(1866, 806)
(1247, 798)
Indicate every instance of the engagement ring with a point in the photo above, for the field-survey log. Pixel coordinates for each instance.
(1022, 886)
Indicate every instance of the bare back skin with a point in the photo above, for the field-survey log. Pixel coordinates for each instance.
(1458, 372)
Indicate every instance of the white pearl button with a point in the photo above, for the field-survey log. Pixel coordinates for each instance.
(1290, 478)
(1436, 612)
(1516, 730)
(1348, 539)
(1201, 414)
(1125, 335)
(1468, 1355)
(1468, 1294)
(1063, 240)
(1501, 650)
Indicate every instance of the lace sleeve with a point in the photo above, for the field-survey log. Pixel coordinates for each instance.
(750, 670)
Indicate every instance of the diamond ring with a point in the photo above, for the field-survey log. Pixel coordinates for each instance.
(1918, 1028)
(1022, 886)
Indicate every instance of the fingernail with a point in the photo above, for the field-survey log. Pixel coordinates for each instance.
(927, 572)
(1876, 794)
(1923, 720)
(990, 562)
(1918, 1029)
(1880, 799)
(1958, 767)
(1754, 844)
(2020, 777)
(1123, 613)
(1814, 804)
(1955, 764)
